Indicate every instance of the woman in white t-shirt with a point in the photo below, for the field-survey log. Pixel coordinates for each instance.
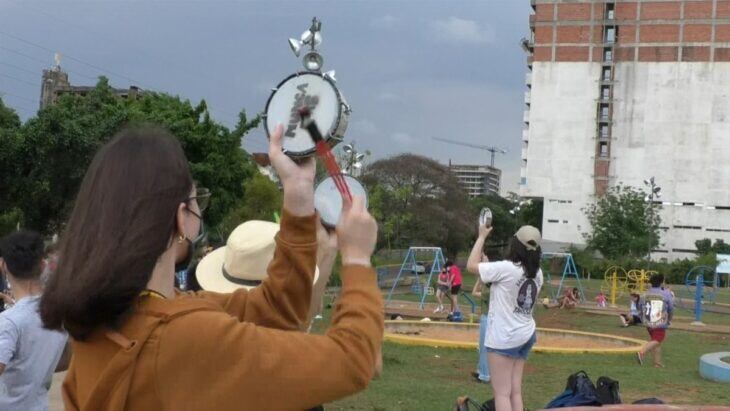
(516, 283)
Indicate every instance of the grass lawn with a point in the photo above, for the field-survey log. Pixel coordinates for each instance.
(431, 378)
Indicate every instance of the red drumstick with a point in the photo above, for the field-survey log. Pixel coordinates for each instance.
(325, 154)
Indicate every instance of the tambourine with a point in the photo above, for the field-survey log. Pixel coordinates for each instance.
(485, 217)
(326, 104)
(328, 200)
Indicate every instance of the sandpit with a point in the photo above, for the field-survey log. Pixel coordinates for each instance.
(464, 335)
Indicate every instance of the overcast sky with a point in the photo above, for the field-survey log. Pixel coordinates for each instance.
(411, 70)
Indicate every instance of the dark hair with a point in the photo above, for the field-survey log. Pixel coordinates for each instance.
(22, 252)
(449, 263)
(123, 220)
(529, 259)
(656, 280)
(634, 295)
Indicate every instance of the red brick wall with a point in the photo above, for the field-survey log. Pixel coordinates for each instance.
(658, 53)
(660, 33)
(544, 12)
(569, 36)
(660, 11)
(571, 53)
(543, 34)
(626, 11)
(697, 32)
(698, 10)
(695, 53)
(580, 11)
(722, 54)
(601, 168)
(624, 54)
(627, 34)
(574, 34)
(543, 54)
(723, 9)
(722, 32)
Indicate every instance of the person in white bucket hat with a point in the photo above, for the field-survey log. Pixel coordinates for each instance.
(243, 261)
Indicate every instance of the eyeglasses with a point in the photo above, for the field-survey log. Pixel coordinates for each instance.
(202, 197)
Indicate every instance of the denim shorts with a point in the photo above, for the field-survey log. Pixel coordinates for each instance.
(519, 352)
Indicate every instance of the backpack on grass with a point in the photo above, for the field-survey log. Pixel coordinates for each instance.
(607, 391)
(578, 391)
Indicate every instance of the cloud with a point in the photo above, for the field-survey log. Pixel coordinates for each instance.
(365, 127)
(385, 22)
(388, 96)
(459, 30)
(402, 138)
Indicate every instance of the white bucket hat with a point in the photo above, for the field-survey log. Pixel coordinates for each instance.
(242, 263)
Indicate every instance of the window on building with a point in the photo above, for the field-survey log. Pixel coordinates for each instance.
(605, 92)
(610, 11)
(604, 112)
(610, 36)
(603, 149)
(553, 221)
(607, 55)
(604, 131)
(607, 73)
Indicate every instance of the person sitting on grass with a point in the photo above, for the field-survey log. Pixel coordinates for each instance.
(570, 298)
(632, 318)
(657, 309)
(442, 289)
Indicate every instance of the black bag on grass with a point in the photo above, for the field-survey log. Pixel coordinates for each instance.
(607, 391)
(578, 391)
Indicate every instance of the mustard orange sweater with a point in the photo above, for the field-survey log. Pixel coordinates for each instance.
(239, 351)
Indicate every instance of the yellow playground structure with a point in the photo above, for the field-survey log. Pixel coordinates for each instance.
(616, 281)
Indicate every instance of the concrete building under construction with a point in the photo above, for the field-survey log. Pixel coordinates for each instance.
(619, 91)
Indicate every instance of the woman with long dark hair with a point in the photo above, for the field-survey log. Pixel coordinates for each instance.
(515, 285)
(138, 344)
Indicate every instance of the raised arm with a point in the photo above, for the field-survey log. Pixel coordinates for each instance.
(282, 300)
(265, 368)
(476, 256)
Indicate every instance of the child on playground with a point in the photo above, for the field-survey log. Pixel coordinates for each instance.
(657, 309)
(442, 289)
(632, 318)
(601, 299)
(455, 283)
(570, 298)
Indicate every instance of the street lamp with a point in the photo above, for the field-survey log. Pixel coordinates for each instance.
(353, 159)
(654, 192)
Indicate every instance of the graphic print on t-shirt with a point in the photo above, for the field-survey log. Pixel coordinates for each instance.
(526, 296)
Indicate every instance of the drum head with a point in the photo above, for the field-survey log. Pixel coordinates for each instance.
(328, 201)
(298, 90)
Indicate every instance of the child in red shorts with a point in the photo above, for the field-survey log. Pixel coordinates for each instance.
(657, 308)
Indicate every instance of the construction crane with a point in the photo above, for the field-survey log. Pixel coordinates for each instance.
(492, 149)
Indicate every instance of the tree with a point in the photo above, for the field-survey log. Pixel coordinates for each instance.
(623, 223)
(263, 199)
(705, 247)
(10, 217)
(417, 201)
(50, 152)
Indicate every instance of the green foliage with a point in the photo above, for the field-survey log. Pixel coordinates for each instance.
(417, 201)
(10, 221)
(262, 200)
(46, 158)
(623, 224)
(705, 246)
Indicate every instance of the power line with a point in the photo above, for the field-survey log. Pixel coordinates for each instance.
(19, 68)
(45, 62)
(19, 80)
(5, 93)
(194, 76)
(74, 59)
